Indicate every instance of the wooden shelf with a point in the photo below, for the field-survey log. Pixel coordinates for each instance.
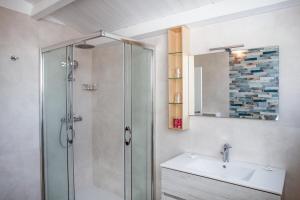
(175, 63)
(175, 87)
(178, 61)
(175, 78)
(175, 53)
(175, 40)
(175, 112)
(179, 40)
(177, 129)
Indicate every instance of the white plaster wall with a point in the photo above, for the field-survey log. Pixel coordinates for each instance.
(19, 101)
(168, 143)
(264, 142)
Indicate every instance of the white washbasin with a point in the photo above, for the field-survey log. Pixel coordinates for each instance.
(240, 173)
(219, 169)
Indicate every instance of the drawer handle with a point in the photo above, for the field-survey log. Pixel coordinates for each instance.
(172, 196)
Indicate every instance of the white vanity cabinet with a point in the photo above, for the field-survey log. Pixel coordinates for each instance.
(170, 197)
(176, 185)
(194, 178)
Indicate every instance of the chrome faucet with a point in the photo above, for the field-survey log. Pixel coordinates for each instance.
(225, 152)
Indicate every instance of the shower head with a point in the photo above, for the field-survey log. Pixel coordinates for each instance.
(84, 45)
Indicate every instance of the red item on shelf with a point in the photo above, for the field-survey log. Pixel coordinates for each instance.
(174, 123)
(177, 123)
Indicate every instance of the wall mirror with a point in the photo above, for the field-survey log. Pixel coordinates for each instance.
(236, 84)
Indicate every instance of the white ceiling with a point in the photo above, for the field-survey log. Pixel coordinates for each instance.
(33, 1)
(141, 17)
(110, 15)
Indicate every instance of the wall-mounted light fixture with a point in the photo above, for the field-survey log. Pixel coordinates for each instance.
(227, 48)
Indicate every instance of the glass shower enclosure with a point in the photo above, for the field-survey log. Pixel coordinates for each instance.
(96, 117)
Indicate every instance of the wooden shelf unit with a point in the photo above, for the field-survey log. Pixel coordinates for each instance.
(178, 58)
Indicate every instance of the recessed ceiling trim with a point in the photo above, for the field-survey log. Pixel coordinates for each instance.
(46, 7)
(54, 20)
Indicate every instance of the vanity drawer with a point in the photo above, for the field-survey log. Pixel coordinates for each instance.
(191, 187)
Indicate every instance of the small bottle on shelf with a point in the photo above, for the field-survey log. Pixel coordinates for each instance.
(177, 73)
(177, 98)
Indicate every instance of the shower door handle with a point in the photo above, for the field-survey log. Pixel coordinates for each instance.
(127, 136)
(70, 135)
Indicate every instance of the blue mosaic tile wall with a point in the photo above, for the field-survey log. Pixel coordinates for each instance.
(254, 83)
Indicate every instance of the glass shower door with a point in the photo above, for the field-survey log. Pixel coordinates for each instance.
(57, 133)
(138, 122)
(57, 124)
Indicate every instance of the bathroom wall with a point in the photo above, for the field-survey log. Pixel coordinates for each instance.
(19, 101)
(275, 143)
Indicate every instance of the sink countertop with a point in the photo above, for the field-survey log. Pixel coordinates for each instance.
(267, 179)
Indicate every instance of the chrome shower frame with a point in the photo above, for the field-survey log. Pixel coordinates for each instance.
(95, 35)
(73, 42)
